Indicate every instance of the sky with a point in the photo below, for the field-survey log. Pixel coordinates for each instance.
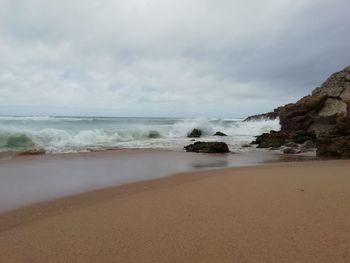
(167, 58)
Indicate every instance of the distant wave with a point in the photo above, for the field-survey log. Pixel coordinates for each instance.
(233, 127)
(44, 118)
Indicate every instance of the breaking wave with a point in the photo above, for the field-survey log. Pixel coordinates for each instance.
(66, 134)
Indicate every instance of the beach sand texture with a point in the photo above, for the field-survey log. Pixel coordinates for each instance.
(288, 212)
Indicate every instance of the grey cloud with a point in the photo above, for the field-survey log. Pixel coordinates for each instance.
(141, 57)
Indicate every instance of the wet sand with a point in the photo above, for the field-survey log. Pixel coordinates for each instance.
(286, 212)
(25, 180)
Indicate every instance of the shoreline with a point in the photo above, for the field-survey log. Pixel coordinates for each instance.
(40, 178)
(13, 217)
(253, 213)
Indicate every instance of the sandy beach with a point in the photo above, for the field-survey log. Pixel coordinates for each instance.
(286, 212)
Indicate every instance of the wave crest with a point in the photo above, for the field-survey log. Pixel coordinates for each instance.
(62, 136)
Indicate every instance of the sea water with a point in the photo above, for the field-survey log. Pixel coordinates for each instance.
(83, 134)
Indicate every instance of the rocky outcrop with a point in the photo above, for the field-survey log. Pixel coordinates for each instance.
(264, 116)
(318, 112)
(276, 139)
(271, 140)
(207, 147)
(220, 134)
(195, 133)
(324, 114)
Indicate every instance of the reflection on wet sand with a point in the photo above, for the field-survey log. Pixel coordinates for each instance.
(29, 179)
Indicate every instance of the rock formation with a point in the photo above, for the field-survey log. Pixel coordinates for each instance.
(264, 116)
(276, 139)
(220, 134)
(324, 114)
(195, 133)
(318, 112)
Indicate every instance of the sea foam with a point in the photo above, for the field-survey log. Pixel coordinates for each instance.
(79, 134)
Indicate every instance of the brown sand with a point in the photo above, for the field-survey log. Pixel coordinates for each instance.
(292, 212)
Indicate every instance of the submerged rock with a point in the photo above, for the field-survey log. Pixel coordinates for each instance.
(207, 147)
(220, 134)
(195, 133)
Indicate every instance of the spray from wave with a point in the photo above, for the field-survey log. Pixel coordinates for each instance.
(76, 134)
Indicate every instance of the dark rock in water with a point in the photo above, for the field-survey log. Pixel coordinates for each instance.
(272, 139)
(333, 146)
(153, 135)
(32, 152)
(207, 147)
(246, 146)
(220, 134)
(277, 139)
(264, 116)
(195, 133)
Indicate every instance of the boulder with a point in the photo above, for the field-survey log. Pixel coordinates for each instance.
(271, 140)
(195, 133)
(220, 134)
(277, 139)
(207, 147)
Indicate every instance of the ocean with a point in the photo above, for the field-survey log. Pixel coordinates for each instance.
(83, 134)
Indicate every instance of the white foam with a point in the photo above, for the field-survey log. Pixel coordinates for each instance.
(77, 136)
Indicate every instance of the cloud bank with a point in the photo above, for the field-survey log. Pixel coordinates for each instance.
(222, 58)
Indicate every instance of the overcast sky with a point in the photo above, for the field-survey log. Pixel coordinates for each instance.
(214, 58)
